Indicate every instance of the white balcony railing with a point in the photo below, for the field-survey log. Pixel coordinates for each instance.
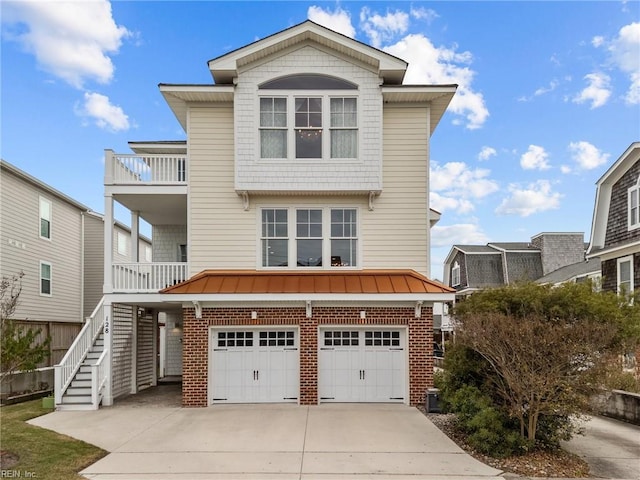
(147, 277)
(146, 169)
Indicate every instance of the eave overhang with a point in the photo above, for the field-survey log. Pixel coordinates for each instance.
(180, 96)
(224, 69)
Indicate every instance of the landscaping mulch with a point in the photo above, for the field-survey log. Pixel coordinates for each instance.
(540, 463)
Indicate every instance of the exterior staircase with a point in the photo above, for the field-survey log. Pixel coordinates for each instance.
(82, 376)
(78, 394)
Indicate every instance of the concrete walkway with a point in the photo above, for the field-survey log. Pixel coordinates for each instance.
(610, 447)
(267, 441)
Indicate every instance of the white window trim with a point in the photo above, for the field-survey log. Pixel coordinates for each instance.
(636, 188)
(455, 270)
(628, 258)
(40, 217)
(292, 237)
(326, 124)
(40, 278)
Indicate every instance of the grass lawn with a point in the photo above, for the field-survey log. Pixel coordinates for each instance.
(42, 453)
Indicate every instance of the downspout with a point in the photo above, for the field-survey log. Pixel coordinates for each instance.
(82, 267)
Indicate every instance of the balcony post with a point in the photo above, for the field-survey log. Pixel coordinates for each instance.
(107, 399)
(135, 237)
(108, 244)
(108, 166)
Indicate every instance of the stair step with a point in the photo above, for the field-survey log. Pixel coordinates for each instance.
(75, 399)
(81, 382)
(78, 391)
(82, 375)
(94, 354)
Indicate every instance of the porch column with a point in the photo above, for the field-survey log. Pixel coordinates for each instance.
(135, 237)
(154, 380)
(107, 330)
(134, 349)
(107, 286)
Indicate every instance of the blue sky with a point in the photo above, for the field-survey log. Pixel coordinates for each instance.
(549, 93)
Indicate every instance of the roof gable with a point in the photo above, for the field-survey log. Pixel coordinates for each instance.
(225, 68)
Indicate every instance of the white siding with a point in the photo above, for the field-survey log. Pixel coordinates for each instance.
(361, 174)
(166, 242)
(93, 262)
(396, 231)
(22, 249)
(122, 349)
(221, 233)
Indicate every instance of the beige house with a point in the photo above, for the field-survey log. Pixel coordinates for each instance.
(290, 234)
(58, 243)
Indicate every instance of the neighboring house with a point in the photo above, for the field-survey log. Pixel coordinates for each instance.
(586, 270)
(469, 268)
(291, 233)
(58, 243)
(615, 230)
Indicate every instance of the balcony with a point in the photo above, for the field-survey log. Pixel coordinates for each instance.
(147, 277)
(145, 169)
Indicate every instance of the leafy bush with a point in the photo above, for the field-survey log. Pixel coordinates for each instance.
(489, 430)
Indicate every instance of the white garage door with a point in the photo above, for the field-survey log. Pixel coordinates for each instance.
(254, 366)
(362, 365)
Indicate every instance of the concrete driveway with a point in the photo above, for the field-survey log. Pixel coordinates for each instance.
(267, 441)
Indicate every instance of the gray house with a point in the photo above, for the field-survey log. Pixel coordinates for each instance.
(469, 268)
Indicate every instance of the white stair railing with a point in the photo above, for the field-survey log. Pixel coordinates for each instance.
(147, 277)
(99, 378)
(70, 363)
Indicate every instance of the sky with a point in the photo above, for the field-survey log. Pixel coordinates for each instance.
(548, 96)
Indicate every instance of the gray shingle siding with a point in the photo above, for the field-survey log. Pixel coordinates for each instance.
(523, 267)
(485, 270)
(617, 222)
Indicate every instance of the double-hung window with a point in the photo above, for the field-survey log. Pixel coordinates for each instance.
(45, 218)
(273, 127)
(311, 117)
(455, 274)
(309, 237)
(625, 275)
(275, 237)
(45, 278)
(321, 237)
(633, 195)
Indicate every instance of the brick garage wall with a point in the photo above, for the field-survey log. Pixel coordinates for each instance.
(196, 343)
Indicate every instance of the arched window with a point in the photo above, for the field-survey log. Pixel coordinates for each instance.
(455, 274)
(308, 81)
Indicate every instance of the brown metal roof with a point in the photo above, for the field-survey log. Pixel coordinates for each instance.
(270, 282)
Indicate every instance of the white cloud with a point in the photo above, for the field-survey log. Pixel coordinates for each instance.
(429, 64)
(535, 158)
(553, 84)
(586, 155)
(625, 53)
(486, 153)
(381, 28)
(71, 40)
(441, 203)
(536, 197)
(422, 13)
(566, 169)
(105, 115)
(462, 233)
(339, 20)
(454, 185)
(597, 41)
(597, 91)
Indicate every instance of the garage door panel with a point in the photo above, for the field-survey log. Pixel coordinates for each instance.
(367, 366)
(254, 366)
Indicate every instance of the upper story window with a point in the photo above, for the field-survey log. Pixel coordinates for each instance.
(121, 243)
(45, 278)
(455, 274)
(633, 196)
(45, 218)
(316, 234)
(312, 119)
(625, 275)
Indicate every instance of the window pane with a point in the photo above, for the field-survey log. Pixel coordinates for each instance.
(45, 228)
(315, 105)
(343, 253)
(280, 105)
(309, 253)
(344, 143)
(275, 253)
(625, 272)
(273, 144)
(308, 143)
